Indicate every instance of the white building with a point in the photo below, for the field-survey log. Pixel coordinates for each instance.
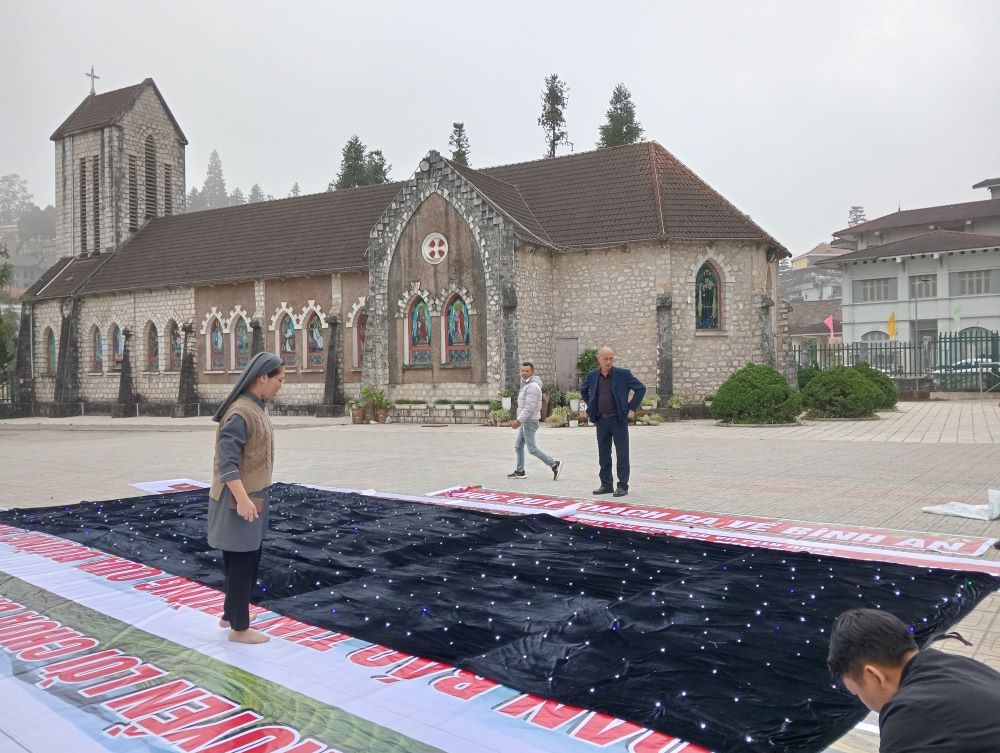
(935, 269)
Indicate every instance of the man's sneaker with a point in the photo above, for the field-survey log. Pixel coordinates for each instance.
(516, 474)
(556, 470)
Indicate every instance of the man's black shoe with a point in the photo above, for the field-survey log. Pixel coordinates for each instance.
(603, 490)
(516, 474)
(620, 492)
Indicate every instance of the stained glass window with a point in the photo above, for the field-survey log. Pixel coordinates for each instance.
(315, 342)
(243, 344)
(50, 350)
(419, 325)
(217, 346)
(286, 342)
(360, 333)
(117, 347)
(152, 349)
(176, 347)
(98, 350)
(708, 297)
(457, 313)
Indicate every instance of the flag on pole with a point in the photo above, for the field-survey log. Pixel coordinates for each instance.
(957, 316)
(891, 325)
(829, 325)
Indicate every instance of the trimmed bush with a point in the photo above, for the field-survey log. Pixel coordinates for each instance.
(840, 392)
(806, 375)
(756, 394)
(881, 381)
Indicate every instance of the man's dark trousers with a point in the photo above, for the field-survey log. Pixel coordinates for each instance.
(613, 429)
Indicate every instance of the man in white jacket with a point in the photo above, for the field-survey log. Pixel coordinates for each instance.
(529, 411)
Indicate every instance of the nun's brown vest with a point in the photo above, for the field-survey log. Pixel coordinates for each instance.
(257, 458)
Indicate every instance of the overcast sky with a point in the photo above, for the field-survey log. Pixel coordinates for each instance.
(792, 111)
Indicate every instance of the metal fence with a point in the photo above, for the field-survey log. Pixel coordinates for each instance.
(956, 362)
(6, 394)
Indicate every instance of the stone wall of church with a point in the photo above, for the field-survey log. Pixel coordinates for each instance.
(138, 311)
(703, 359)
(541, 290)
(82, 227)
(147, 117)
(609, 297)
(47, 318)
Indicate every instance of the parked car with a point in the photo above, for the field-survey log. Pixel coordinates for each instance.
(969, 373)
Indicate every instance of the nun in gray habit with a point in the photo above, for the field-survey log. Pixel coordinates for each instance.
(238, 505)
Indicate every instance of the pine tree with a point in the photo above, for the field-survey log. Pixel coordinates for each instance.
(194, 201)
(459, 143)
(856, 216)
(552, 120)
(376, 169)
(213, 191)
(256, 194)
(352, 166)
(622, 127)
(295, 190)
(237, 197)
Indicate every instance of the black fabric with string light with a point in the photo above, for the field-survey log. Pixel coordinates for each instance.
(721, 645)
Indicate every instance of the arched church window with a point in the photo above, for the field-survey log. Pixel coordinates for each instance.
(176, 345)
(456, 325)
(117, 342)
(97, 365)
(418, 335)
(708, 298)
(287, 349)
(152, 348)
(216, 347)
(314, 342)
(150, 156)
(241, 337)
(50, 352)
(360, 333)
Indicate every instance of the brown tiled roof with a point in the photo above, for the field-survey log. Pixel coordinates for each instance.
(969, 210)
(927, 243)
(606, 197)
(99, 110)
(67, 276)
(315, 234)
(805, 315)
(623, 194)
(818, 328)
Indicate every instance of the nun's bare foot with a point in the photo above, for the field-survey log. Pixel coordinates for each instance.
(248, 636)
(223, 623)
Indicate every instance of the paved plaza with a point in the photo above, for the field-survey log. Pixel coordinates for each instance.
(862, 473)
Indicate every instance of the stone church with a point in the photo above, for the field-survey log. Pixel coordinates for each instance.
(434, 287)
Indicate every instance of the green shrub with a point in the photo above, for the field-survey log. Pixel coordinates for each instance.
(840, 392)
(559, 416)
(756, 394)
(881, 381)
(586, 362)
(676, 402)
(806, 375)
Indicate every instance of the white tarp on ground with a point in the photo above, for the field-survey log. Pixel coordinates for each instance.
(989, 511)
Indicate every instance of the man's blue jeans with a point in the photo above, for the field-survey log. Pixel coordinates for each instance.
(613, 429)
(526, 436)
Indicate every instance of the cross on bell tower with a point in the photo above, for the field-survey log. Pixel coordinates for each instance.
(93, 77)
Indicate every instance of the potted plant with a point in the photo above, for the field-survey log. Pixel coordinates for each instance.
(499, 416)
(460, 405)
(483, 405)
(357, 409)
(674, 406)
(573, 398)
(559, 416)
(380, 403)
(650, 401)
(505, 398)
(708, 400)
(443, 403)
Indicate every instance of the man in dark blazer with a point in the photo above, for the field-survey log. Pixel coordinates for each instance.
(606, 392)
